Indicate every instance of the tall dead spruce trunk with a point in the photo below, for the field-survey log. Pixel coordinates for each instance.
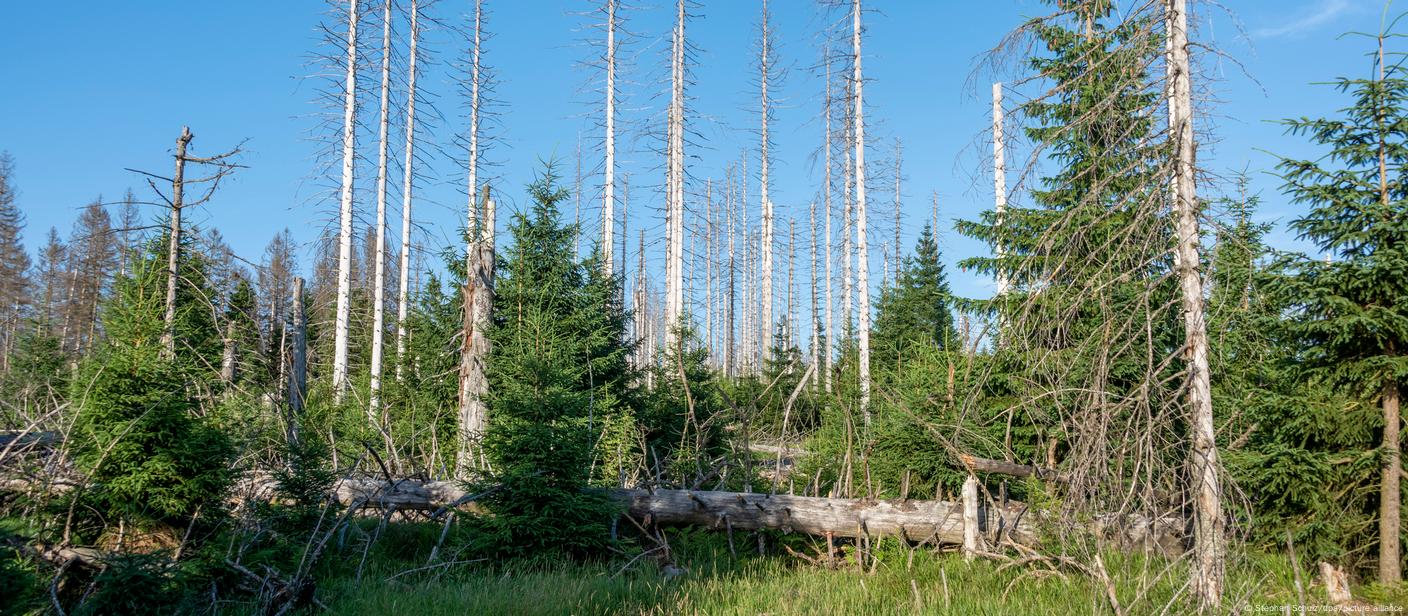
(999, 176)
(608, 197)
(1208, 524)
(478, 307)
(826, 237)
(374, 415)
(764, 62)
(478, 284)
(862, 255)
(298, 359)
(407, 186)
(173, 253)
(674, 215)
(344, 237)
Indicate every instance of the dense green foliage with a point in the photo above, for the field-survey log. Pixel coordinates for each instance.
(559, 371)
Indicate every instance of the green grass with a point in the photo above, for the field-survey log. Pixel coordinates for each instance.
(717, 583)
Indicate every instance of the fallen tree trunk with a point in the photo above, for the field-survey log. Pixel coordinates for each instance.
(940, 522)
(985, 465)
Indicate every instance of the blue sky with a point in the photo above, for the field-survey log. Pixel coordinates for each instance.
(109, 84)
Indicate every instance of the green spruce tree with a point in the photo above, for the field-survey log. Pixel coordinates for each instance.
(1351, 307)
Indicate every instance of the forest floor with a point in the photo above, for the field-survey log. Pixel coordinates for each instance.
(393, 578)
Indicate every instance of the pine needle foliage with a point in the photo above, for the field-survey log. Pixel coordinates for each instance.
(557, 368)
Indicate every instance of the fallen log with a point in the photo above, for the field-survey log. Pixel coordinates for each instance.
(914, 520)
(974, 463)
(17, 439)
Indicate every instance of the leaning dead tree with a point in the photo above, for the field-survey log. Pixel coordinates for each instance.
(219, 167)
(1100, 293)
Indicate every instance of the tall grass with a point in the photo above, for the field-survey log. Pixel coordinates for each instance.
(395, 579)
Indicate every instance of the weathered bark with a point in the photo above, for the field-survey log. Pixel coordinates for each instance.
(999, 176)
(173, 252)
(971, 545)
(764, 62)
(342, 320)
(228, 355)
(478, 307)
(374, 418)
(674, 215)
(862, 254)
(608, 197)
(826, 237)
(298, 359)
(973, 463)
(407, 187)
(899, 199)
(816, 337)
(1208, 524)
(1389, 498)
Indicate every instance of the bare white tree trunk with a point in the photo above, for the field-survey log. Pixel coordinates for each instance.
(407, 187)
(709, 267)
(764, 62)
(791, 286)
(674, 282)
(1208, 525)
(826, 207)
(848, 280)
(298, 360)
(999, 177)
(899, 179)
(379, 281)
(608, 196)
(862, 255)
(812, 271)
(730, 331)
(344, 238)
(173, 252)
(475, 79)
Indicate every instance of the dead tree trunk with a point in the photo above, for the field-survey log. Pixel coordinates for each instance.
(764, 64)
(674, 215)
(826, 237)
(298, 370)
(478, 307)
(173, 253)
(812, 271)
(407, 187)
(608, 197)
(344, 239)
(862, 254)
(999, 177)
(228, 355)
(374, 415)
(1209, 542)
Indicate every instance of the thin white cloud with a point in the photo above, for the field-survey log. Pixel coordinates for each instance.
(1320, 13)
